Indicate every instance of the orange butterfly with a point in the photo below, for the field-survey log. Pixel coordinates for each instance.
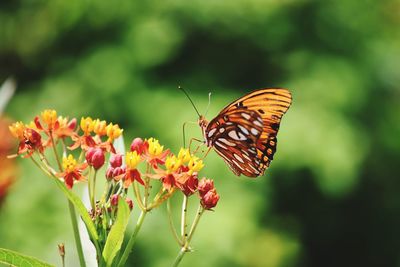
(244, 132)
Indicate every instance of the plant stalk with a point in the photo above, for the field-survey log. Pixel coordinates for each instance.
(132, 239)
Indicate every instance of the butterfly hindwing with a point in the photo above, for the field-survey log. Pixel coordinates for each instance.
(234, 137)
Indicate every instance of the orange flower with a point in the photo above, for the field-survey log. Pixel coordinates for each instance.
(29, 139)
(100, 127)
(72, 171)
(155, 153)
(132, 159)
(113, 132)
(66, 128)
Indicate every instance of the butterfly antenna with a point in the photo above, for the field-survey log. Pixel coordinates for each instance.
(208, 105)
(183, 90)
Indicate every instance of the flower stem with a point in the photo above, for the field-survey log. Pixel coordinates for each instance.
(55, 150)
(183, 219)
(93, 194)
(185, 247)
(179, 257)
(132, 240)
(171, 223)
(76, 234)
(200, 212)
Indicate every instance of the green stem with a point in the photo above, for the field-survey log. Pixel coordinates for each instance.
(132, 240)
(200, 212)
(55, 151)
(183, 219)
(76, 233)
(171, 223)
(178, 258)
(185, 248)
(93, 192)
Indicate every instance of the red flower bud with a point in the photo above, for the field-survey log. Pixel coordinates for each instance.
(139, 145)
(119, 171)
(114, 200)
(210, 199)
(95, 157)
(109, 173)
(190, 186)
(204, 186)
(116, 160)
(130, 203)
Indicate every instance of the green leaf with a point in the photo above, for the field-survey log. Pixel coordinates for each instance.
(16, 259)
(116, 235)
(81, 210)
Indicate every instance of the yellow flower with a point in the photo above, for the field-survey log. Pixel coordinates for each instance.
(87, 125)
(172, 163)
(100, 127)
(113, 131)
(62, 121)
(49, 116)
(69, 163)
(155, 148)
(195, 165)
(17, 130)
(184, 155)
(132, 159)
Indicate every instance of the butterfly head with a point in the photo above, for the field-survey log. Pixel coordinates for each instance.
(202, 122)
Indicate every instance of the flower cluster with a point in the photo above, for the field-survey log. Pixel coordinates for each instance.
(94, 137)
(145, 167)
(175, 172)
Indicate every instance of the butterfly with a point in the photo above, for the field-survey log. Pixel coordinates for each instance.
(245, 132)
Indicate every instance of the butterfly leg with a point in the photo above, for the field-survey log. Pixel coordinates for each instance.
(198, 147)
(205, 155)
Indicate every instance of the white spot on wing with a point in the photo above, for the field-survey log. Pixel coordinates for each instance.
(220, 145)
(223, 140)
(246, 156)
(233, 134)
(238, 158)
(245, 115)
(244, 130)
(237, 164)
(258, 123)
(221, 130)
(211, 132)
(242, 137)
(254, 131)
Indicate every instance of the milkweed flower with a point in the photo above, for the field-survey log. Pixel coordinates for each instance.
(195, 165)
(29, 139)
(65, 128)
(87, 125)
(100, 127)
(72, 171)
(155, 153)
(132, 159)
(184, 155)
(113, 132)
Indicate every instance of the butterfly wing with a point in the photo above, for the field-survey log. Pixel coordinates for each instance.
(234, 136)
(264, 108)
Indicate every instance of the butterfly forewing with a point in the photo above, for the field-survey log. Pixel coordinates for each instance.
(244, 132)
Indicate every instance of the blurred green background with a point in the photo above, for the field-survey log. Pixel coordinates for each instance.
(332, 194)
